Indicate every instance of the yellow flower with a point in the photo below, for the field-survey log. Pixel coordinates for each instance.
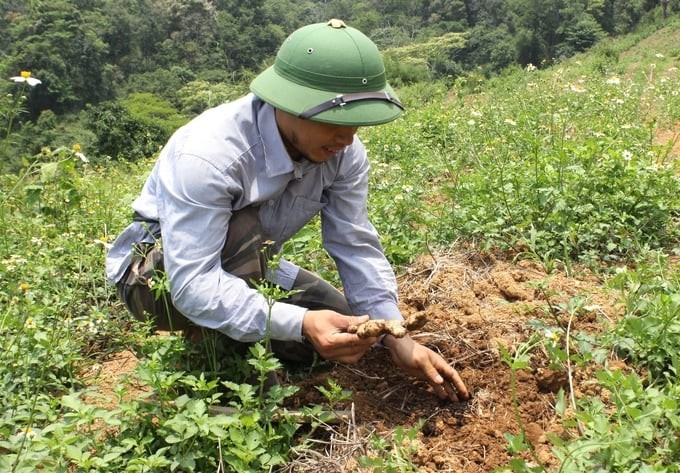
(79, 155)
(30, 323)
(25, 74)
(23, 287)
(28, 432)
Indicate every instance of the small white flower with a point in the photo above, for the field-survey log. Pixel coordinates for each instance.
(510, 122)
(627, 155)
(471, 122)
(614, 80)
(102, 242)
(28, 432)
(530, 67)
(659, 55)
(552, 335)
(92, 328)
(476, 114)
(26, 77)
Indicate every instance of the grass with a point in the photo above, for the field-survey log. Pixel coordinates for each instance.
(559, 165)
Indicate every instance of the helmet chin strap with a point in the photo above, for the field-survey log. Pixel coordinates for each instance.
(344, 99)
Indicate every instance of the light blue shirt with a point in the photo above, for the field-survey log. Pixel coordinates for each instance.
(230, 157)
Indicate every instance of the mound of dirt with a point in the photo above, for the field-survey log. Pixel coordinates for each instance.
(474, 304)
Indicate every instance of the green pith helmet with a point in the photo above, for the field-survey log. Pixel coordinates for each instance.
(330, 73)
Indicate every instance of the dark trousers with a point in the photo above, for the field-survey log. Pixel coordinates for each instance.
(244, 256)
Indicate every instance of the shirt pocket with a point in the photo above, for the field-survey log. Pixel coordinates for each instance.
(284, 217)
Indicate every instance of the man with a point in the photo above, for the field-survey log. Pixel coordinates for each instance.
(257, 170)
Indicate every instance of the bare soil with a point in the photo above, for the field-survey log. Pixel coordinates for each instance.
(474, 304)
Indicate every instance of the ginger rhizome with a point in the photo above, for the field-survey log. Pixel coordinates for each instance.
(396, 328)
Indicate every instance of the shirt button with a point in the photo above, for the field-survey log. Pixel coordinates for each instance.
(271, 202)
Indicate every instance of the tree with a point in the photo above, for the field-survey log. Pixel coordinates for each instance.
(530, 48)
(490, 12)
(132, 130)
(190, 35)
(490, 48)
(59, 44)
(626, 14)
(580, 35)
(447, 15)
(249, 32)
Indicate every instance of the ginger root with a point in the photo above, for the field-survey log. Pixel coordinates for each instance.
(396, 328)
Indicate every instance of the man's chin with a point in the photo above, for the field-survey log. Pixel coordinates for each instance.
(317, 159)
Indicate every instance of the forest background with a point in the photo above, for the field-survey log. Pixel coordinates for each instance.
(118, 76)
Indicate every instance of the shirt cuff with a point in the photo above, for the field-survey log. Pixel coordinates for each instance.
(287, 322)
(386, 310)
(284, 275)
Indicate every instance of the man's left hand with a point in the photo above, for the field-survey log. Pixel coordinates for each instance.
(423, 363)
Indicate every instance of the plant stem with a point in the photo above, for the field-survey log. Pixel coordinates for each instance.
(572, 397)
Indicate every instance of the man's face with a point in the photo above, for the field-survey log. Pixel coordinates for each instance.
(314, 141)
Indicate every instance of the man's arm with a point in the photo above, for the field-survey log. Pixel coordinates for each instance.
(352, 240)
(195, 207)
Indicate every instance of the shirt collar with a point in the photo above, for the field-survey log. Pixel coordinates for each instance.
(277, 159)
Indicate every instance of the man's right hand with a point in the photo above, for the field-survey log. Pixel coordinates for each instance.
(326, 330)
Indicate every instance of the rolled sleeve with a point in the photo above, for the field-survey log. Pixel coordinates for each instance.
(286, 322)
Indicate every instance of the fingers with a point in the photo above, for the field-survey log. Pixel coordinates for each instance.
(460, 385)
(445, 380)
(326, 330)
(450, 391)
(346, 348)
(356, 319)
